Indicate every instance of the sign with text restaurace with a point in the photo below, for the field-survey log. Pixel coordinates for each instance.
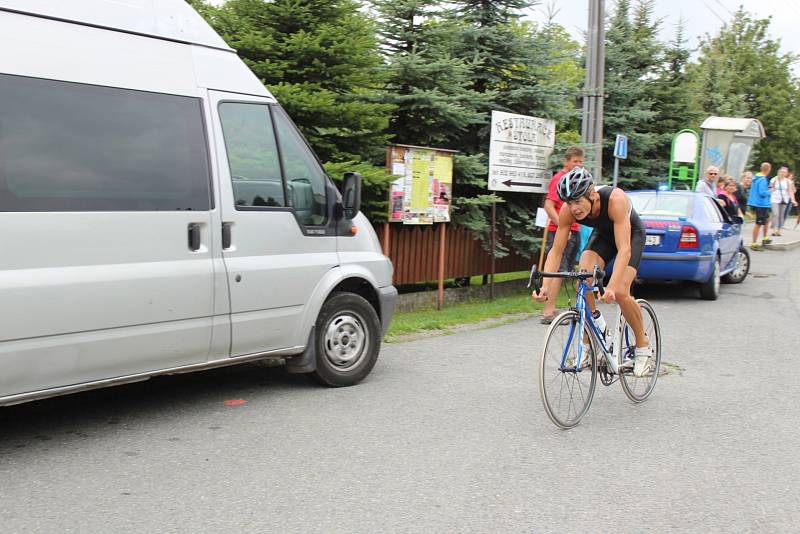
(519, 152)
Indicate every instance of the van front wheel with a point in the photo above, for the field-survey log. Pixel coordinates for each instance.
(347, 340)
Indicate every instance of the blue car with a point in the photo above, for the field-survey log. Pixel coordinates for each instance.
(690, 238)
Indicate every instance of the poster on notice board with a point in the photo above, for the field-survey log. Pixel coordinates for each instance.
(423, 188)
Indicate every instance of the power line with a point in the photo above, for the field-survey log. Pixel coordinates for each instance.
(724, 7)
(712, 11)
(794, 6)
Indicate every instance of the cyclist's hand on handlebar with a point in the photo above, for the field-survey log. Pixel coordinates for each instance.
(540, 296)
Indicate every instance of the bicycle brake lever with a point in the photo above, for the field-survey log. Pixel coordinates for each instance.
(598, 280)
(533, 279)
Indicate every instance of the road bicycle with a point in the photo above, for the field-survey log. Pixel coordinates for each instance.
(571, 363)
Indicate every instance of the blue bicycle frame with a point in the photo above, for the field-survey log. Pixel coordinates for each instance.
(584, 314)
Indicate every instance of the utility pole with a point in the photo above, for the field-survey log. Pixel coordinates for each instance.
(592, 120)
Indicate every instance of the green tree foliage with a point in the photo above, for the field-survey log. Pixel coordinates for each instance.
(633, 55)
(741, 73)
(429, 89)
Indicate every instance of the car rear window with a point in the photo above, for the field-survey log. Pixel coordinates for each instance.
(666, 205)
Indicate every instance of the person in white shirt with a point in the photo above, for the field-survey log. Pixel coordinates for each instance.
(780, 197)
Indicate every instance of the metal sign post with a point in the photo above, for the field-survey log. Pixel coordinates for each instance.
(620, 152)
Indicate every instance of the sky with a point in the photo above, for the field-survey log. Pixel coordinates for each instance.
(700, 17)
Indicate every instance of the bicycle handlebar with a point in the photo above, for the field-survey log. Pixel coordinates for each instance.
(597, 275)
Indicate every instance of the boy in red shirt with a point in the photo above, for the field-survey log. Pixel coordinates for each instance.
(573, 157)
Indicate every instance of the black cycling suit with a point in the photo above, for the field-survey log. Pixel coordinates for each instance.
(602, 239)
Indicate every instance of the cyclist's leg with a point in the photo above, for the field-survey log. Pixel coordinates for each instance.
(598, 252)
(630, 308)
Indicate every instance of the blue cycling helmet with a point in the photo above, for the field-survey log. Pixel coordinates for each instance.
(575, 184)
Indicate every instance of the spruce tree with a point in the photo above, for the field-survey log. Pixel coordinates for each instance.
(632, 55)
(430, 89)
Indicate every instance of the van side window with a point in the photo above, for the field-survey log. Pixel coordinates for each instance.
(305, 180)
(73, 147)
(252, 155)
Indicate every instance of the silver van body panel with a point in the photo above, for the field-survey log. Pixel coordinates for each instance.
(97, 298)
(215, 70)
(70, 52)
(163, 19)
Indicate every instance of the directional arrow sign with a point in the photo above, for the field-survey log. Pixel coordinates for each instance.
(519, 152)
(512, 183)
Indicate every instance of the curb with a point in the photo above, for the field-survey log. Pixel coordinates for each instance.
(782, 246)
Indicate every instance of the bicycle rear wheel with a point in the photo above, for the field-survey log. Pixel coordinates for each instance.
(567, 390)
(638, 389)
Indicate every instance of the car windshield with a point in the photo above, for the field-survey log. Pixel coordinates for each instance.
(655, 204)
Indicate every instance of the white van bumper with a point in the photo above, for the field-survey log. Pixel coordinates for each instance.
(387, 296)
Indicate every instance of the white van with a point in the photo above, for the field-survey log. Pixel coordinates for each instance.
(160, 213)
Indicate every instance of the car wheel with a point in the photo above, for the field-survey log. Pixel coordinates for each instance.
(709, 290)
(739, 273)
(348, 339)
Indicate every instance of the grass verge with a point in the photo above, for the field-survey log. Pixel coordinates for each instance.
(406, 324)
(451, 282)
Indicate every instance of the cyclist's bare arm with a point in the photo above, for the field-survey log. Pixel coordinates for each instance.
(619, 211)
(565, 221)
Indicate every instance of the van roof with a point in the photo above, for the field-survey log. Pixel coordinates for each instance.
(165, 19)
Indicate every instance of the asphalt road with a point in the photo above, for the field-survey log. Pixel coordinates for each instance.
(447, 435)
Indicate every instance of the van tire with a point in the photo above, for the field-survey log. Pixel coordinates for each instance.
(348, 340)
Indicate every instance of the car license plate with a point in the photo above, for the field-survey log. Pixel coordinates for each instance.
(652, 240)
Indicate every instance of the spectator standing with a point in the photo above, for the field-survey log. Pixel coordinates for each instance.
(708, 184)
(792, 198)
(728, 196)
(573, 157)
(742, 188)
(780, 199)
(759, 200)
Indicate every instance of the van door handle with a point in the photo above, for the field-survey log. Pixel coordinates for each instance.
(194, 237)
(226, 235)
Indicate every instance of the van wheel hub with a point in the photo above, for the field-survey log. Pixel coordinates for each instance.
(345, 341)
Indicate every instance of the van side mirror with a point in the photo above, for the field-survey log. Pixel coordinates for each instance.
(737, 220)
(351, 194)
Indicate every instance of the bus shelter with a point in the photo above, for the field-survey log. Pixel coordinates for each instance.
(727, 142)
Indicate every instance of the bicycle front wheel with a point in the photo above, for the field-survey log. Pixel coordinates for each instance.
(638, 389)
(565, 384)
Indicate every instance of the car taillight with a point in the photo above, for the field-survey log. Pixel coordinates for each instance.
(688, 237)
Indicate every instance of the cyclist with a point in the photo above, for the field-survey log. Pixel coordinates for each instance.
(618, 232)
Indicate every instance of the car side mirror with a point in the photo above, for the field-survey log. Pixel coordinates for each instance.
(351, 195)
(737, 220)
